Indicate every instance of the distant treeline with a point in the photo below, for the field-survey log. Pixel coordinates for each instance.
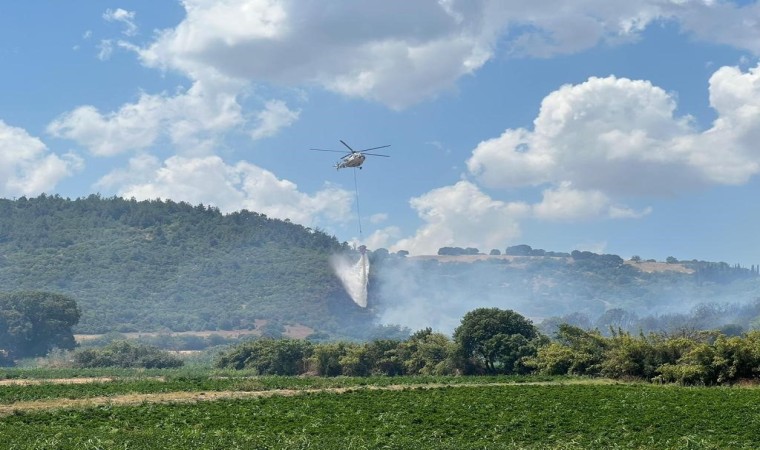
(729, 319)
(515, 250)
(487, 341)
(492, 341)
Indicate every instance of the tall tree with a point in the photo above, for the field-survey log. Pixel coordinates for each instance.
(496, 338)
(32, 323)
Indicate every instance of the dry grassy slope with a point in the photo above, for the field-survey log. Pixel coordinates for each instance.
(292, 331)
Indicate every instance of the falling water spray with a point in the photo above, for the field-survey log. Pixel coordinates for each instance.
(353, 275)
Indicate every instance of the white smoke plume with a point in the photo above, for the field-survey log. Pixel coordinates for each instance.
(418, 292)
(353, 275)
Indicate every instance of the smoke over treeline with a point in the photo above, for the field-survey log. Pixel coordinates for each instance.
(581, 288)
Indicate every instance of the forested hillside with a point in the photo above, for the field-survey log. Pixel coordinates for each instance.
(161, 265)
(167, 266)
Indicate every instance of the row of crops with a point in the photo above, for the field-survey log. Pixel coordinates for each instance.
(385, 412)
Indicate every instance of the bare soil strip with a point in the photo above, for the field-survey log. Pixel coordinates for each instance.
(35, 381)
(77, 380)
(193, 397)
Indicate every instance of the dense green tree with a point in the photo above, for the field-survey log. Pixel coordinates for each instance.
(423, 353)
(269, 356)
(682, 373)
(519, 250)
(384, 357)
(377, 357)
(631, 357)
(735, 358)
(555, 359)
(32, 323)
(575, 351)
(356, 362)
(326, 358)
(458, 251)
(726, 361)
(428, 353)
(495, 338)
(706, 358)
(127, 355)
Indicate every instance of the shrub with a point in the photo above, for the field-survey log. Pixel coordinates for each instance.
(684, 374)
(326, 358)
(126, 354)
(269, 356)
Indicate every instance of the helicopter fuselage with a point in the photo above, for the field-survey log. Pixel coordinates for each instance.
(351, 160)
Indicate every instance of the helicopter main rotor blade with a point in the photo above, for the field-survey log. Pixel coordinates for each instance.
(375, 154)
(349, 147)
(374, 148)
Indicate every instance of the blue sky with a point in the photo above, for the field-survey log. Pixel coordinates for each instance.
(616, 127)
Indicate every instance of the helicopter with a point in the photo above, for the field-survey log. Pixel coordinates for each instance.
(354, 158)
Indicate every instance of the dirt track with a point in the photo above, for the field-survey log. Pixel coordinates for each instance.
(187, 397)
(35, 381)
(138, 399)
(192, 397)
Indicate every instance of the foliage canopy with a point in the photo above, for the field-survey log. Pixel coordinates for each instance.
(32, 323)
(162, 265)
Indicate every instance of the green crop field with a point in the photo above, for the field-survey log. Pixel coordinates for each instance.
(212, 411)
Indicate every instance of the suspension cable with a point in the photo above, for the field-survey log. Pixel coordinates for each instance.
(358, 214)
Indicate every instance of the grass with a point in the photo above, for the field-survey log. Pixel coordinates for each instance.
(395, 413)
(115, 382)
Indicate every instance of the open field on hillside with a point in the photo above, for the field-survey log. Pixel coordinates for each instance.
(183, 410)
(521, 261)
(291, 331)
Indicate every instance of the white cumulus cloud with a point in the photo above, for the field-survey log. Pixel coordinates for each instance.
(723, 22)
(612, 135)
(272, 118)
(462, 215)
(621, 137)
(395, 52)
(566, 203)
(382, 238)
(230, 187)
(26, 165)
(593, 147)
(192, 120)
(402, 52)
